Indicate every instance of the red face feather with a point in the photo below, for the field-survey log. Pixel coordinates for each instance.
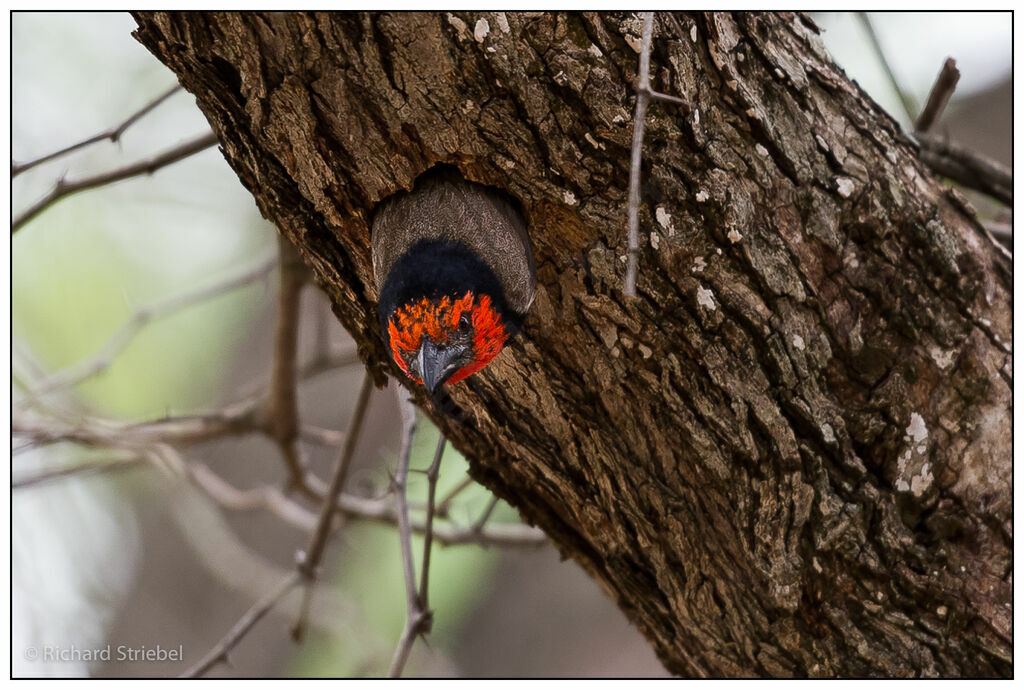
(439, 321)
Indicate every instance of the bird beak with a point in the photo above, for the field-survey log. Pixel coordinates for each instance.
(436, 364)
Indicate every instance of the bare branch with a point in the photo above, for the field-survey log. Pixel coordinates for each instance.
(950, 160)
(282, 407)
(309, 560)
(966, 167)
(96, 432)
(106, 355)
(417, 619)
(113, 134)
(908, 105)
(220, 651)
(273, 500)
(82, 469)
(320, 436)
(942, 91)
(64, 188)
(1002, 231)
(479, 526)
(643, 94)
(432, 473)
(633, 253)
(445, 506)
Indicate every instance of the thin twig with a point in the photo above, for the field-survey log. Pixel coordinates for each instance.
(908, 104)
(309, 560)
(643, 94)
(479, 526)
(238, 418)
(432, 474)
(966, 167)
(1001, 231)
(234, 419)
(322, 336)
(320, 436)
(83, 469)
(282, 403)
(106, 355)
(417, 620)
(938, 97)
(633, 254)
(445, 505)
(273, 500)
(220, 651)
(64, 188)
(113, 134)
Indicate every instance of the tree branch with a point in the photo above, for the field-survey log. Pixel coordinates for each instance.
(238, 418)
(643, 94)
(113, 134)
(432, 474)
(273, 500)
(106, 355)
(83, 469)
(445, 506)
(63, 188)
(220, 651)
(309, 560)
(417, 619)
(967, 168)
(938, 97)
(282, 404)
(908, 105)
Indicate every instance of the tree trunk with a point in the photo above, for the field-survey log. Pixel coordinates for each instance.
(790, 455)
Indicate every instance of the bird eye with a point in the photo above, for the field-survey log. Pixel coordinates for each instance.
(464, 322)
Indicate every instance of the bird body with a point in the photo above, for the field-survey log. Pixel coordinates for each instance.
(455, 276)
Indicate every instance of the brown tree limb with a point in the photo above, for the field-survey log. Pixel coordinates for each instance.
(282, 411)
(65, 188)
(938, 97)
(113, 134)
(797, 441)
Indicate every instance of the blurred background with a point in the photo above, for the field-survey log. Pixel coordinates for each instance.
(139, 557)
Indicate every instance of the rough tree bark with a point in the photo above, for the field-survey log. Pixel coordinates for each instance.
(790, 455)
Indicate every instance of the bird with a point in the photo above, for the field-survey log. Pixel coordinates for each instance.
(455, 275)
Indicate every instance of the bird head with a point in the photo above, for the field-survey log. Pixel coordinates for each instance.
(444, 340)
